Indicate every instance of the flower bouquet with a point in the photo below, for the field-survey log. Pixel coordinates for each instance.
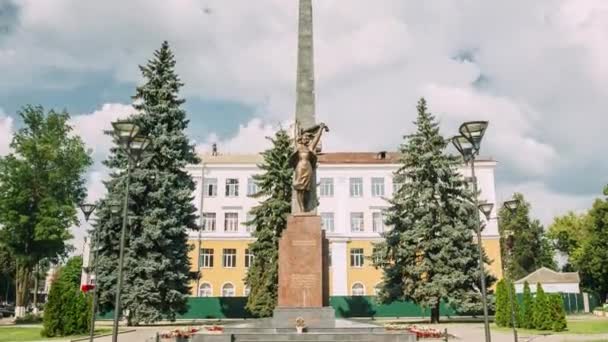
(300, 325)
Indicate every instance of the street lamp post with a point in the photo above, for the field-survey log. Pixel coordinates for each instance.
(468, 144)
(87, 210)
(126, 133)
(512, 206)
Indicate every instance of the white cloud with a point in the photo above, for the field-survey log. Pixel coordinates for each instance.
(544, 89)
(6, 133)
(91, 126)
(546, 203)
(250, 138)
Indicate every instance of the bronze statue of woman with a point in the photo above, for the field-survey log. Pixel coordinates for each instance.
(304, 160)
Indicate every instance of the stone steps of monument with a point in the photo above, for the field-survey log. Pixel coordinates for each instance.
(319, 337)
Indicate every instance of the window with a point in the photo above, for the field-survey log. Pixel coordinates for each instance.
(356, 222)
(356, 257)
(377, 222)
(357, 290)
(231, 222)
(326, 187)
(248, 258)
(246, 291)
(228, 290)
(205, 290)
(377, 258)
(248, 226)
(327, 221)
(229, 258)
(356, 187)
(206, 257)
(232, 187)
(377, 186)
(252, 187)
(208, 222)
(210, 187)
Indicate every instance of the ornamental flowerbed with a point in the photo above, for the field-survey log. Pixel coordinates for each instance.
(179, 334)
(419, 331)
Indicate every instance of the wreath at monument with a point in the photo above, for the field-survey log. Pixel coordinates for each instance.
(300, 325)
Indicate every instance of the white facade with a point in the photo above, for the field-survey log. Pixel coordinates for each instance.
(242, 167)
(346, 203)
(551, 288)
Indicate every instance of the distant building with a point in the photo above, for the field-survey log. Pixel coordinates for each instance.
(352, 188)
(551, 281)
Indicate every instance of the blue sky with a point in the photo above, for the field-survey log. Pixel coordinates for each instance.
(537, 71)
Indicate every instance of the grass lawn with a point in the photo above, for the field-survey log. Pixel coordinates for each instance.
(20, 334)
(579, 327)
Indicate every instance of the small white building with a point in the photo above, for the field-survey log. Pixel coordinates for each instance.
(551, 281)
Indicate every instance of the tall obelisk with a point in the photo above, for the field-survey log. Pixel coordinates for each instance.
(305, 82)
(303, 291)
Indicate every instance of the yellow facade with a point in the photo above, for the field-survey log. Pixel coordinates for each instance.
(218, 275)
(367, 275)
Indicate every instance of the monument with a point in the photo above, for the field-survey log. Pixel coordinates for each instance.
(303, 291)
(303, 265)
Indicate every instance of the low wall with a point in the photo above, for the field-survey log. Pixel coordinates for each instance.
(345, 306)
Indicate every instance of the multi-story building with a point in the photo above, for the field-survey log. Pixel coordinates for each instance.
(352, 189)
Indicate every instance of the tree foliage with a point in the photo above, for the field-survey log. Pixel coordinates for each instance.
(157, 268)
(558, 314)
(68, 310)
(41, 183)
(269, 218)
(541, 316)
(501, 316)
(531, 248)
(527, 308)
(589, 258)
(429, 255)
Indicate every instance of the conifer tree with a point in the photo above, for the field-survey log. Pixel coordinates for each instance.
(429, 255)
(513, 307)
(269, 220)
(542, 312)
(531, 248)
(501, 316)
(558, 314)
(157, 271)
(67, 311)
(527, 308)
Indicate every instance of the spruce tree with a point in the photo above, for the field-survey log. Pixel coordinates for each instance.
(157, 271)
(527, 308)
(429, 255)
(501, 316)
(269, 220)
(531, 248)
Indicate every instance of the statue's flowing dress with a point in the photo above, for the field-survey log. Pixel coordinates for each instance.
(304, 168)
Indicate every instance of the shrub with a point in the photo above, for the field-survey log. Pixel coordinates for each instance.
(513, 307)
(29, 318)
(542, 310)
(501, 317)
(527, 308)
(67, 310)
(558, 314)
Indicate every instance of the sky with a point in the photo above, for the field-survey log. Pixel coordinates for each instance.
(536, 70)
